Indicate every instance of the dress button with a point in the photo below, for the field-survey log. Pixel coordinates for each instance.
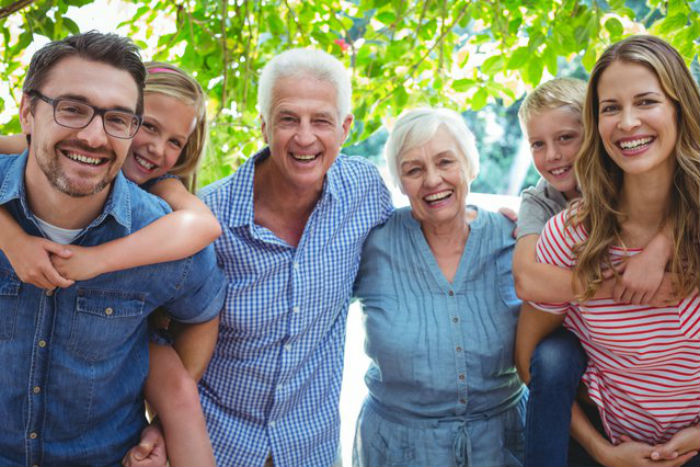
(455, 319)
(458, 349)
(461, 377)
(462, 401)
(42, 343)
(36, 389)
(450, 293)
(33, 435)
(109, 311)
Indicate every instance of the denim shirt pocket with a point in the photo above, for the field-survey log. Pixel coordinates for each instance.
(104, 320)
(9, 302)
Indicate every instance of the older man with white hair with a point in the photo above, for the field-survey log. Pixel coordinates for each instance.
(294, 217)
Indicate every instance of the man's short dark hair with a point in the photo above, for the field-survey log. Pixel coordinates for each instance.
(117, 51)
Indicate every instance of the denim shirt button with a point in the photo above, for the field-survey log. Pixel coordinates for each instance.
(42, 343)
(36, 389)
(33, 435)
(49, 292)
(109, 311)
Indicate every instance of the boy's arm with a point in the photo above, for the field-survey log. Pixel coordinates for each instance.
(163, 240)
(644, 272)
(533, 326)
(30, 256)
(13, 144)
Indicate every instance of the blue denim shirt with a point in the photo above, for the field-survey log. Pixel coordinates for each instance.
(74, 361)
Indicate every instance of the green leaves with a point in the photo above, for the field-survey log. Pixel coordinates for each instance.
(457, 53)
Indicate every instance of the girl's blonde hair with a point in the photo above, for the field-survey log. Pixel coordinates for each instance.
(600, 178)
(553, 94)
(170, 80)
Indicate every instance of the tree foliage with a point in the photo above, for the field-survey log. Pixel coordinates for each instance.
(460, 54)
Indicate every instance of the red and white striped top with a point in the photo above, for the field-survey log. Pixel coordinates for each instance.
(643, 362)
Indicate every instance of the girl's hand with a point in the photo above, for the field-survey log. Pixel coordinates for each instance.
(31, 258)
(686, 441)
(84, 263)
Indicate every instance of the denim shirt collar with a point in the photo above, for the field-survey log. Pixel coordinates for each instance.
(118, 204)
(243, 214)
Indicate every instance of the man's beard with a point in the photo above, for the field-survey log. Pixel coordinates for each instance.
(59, 180)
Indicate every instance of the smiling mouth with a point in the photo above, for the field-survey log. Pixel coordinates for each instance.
(83, 159)
(144, 163)
(638, 143)
(434, 198)
(560, 171)
(304, 157)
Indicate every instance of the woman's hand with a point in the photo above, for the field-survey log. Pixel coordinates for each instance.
(83, 264)
(636, 454)
(686, 441)
(31, 258)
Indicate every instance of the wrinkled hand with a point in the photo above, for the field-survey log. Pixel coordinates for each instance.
(684, 442)
(31, 258)
(512, 216)
(83, 264)
(150, 452)
(635, 454)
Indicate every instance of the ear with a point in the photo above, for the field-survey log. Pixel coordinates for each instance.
(263, 128)
(347, 124)
(26, 117)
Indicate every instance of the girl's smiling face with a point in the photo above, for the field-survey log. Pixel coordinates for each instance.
(167, 125)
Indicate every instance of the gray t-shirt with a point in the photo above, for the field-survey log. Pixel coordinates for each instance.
(537, 205)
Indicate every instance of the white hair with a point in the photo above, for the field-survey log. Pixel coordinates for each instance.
(416, 127)
(305, 63)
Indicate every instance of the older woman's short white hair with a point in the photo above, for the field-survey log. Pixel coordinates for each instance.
(305, 63)
(416, 127)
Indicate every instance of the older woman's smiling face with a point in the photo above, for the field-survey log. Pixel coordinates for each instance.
(433, 177)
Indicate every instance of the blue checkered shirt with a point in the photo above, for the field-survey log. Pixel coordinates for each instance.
(273, 384)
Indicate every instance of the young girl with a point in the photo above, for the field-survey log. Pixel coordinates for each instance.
(163, 155)
(639, 172)
(550, 117)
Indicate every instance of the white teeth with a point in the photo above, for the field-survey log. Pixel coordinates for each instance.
(144, 163)
(438, 196)
(634, 143)
(84, 159)
(559, 171)
(304, 157)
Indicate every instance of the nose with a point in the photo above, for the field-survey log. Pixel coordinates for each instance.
(552, 153)
(628, 119)
(304, 135)
(94, 134)
(432, 177)
(156, 147)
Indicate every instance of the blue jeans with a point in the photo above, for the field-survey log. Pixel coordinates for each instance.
(556, 368)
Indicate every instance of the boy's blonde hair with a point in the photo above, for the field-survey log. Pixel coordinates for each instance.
(555, 93)
(170, 80)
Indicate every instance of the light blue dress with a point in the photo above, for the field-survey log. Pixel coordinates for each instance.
(443, 389)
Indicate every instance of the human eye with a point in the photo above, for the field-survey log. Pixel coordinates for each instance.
(647, 102)
(536, 145)
(118, 119)
(72, 108)
(150, 127)
(566, 137)
(411, 171)
(445, 162)
(608, 108)
(176, 143)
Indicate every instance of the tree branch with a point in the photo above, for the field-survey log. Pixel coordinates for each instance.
(14, 7)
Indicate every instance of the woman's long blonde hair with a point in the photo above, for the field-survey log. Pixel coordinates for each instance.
(600, 179)
(170, 80)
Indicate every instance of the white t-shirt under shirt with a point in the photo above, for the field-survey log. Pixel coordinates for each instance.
(57, 234)
(643, 362)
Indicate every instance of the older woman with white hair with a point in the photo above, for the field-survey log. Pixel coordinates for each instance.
(440, 312)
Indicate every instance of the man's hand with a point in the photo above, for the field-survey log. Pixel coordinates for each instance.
(30, 257)
(150, 451)
(686, 441)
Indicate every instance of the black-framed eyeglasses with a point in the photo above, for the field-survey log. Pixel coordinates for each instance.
(70, 113)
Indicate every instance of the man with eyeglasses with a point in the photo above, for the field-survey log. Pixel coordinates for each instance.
(74, 360)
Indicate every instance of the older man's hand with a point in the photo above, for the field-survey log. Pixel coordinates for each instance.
(150, 451)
